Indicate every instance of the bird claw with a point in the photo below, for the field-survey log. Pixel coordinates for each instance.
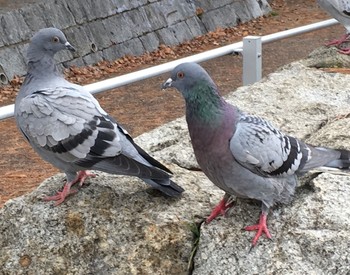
(61, 195)
(335, 42)
(344, 51)
(82, 176)
(338, 42)
(220, 209)
(261, 228)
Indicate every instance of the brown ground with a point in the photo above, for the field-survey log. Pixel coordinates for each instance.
(143, 106)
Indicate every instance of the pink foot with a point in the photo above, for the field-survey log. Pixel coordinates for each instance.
(82, 176)
(261, 227)
(61, 195)
(345, 51)
(337, 42)
(220, 209)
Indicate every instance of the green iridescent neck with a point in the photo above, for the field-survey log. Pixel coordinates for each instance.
(203, 103)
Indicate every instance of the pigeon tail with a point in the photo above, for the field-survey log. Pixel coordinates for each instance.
(168, 187)
(151, 160)
(343, 162)
(323, 158)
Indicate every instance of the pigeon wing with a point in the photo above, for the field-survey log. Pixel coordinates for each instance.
(344, 7)
(263, 149)
(142, 152)
(52, 117)
(70, 124)
(338, 9)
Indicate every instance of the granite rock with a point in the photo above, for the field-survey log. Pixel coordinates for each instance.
(117, 225)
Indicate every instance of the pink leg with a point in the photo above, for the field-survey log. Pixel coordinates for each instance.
(337, 42)
(220, 209)
(61, 195)
(83, 175)
(345, 51)
(261, 227)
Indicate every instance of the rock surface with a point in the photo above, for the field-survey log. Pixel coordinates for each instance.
(116, 225)
(327, 58)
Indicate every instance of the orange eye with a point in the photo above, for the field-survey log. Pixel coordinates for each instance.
(180, 75)
(55, 39)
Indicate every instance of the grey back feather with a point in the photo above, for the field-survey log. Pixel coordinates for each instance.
(338, 9)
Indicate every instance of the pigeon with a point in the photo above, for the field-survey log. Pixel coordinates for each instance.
(68, 128)
(340, 10)
(243, 154)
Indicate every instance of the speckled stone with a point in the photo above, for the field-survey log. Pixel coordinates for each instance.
(117, 225)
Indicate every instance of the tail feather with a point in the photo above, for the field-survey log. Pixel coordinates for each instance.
(151, 160)
(142, 152)
(168, 187)
(321, 156)
(123, 165)
(333, 171)
(331, 160)
(153, 176)
(343, 162)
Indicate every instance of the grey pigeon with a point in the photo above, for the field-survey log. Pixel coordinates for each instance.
(340, 10)
(67, 127)
(243, 154)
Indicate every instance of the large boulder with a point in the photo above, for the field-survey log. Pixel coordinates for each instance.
(117, 225)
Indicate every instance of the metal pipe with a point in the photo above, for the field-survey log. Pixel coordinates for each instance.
(118, 81)
(111, 83)
(7, 111)
(297, 31)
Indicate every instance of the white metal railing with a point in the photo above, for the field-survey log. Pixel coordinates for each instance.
(251, 61)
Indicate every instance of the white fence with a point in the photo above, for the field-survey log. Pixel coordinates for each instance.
(250, 48)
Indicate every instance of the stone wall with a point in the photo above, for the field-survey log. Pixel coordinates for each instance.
(108, 29)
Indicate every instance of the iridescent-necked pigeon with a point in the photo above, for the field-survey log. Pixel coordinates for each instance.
(243, 154)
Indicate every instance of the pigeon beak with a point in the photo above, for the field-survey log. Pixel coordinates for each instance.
(69, 47)
(167, 84)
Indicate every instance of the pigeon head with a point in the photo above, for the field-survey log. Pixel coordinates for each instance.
(187, 77)
(47, 41)
(201, 95)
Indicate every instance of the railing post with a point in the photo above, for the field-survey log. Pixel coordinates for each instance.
(252, 57)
